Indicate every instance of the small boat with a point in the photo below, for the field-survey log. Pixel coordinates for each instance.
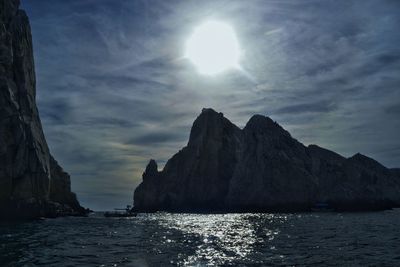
(322, 207)
(127, 212)
(120, 214)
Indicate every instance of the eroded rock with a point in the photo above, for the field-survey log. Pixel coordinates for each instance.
(31, 182)
(261, 168)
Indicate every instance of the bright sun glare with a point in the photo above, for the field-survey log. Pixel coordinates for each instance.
(213, 48)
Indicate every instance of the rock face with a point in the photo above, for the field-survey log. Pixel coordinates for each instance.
(261, 168)
(32, 184)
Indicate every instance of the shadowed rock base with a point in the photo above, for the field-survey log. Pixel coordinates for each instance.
(27, 209)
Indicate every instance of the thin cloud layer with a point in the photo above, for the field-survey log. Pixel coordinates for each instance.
(115, 91)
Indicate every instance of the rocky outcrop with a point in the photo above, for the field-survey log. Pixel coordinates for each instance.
(261, 168)
(32, 184)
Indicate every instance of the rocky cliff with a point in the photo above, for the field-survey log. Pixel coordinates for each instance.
(261, 168)
(32, 184)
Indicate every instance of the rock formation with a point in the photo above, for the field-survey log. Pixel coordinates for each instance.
(261, 168)
(32, 184)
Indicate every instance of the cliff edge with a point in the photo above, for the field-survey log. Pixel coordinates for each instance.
(32, 184)
(261, 168)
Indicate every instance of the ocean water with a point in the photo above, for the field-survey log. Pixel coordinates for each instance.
(162, 239)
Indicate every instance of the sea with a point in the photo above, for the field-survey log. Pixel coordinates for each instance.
(165, 239)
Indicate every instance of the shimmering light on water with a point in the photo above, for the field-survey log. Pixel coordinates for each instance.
(356, 239)
(225, 237)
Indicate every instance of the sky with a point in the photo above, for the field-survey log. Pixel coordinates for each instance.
(114, 89)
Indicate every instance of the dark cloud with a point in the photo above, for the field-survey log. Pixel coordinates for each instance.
(393, 109)
(158, 138)
(114, 89)
(110, 122)
(316, 107)
(387, 59)
(56, 111)
(115, 82)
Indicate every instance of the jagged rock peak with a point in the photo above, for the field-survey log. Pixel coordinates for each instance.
(260, 122)
(362, 158)
(151, 168)
(209, 111)
(264, 124)
(366, 161)
(262, 168)
(359, 156)
(209, 118)
(209, 124)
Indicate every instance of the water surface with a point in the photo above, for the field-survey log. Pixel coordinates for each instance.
(162, 239)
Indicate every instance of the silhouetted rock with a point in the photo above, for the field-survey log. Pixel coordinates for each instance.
(32, 184)
(261, 168)
(395, 171)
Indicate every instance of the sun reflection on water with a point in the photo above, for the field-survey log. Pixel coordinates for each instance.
(221, 238)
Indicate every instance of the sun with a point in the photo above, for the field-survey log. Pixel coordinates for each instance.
(213, 48)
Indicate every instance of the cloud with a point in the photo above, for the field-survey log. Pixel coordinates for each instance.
(158, 138)
(316, 107)
(393, 109)
(113, 89)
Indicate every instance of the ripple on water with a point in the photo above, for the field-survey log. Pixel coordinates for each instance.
(162, 239)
